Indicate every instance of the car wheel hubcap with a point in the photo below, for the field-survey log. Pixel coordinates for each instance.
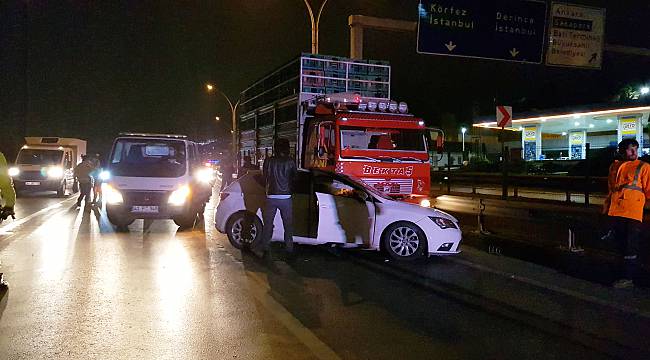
(404, 241)
(242, 233)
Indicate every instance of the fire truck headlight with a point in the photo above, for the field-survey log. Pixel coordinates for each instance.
(425, 203)
(363, 106)
(403, 108)
(372, 105)
(382, 106)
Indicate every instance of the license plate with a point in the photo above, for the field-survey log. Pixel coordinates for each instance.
(145, 209)
(33, 183)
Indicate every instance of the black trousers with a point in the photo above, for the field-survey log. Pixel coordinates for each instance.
(84, 191)
(627, 233)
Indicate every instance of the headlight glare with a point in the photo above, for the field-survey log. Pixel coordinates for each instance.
(55, 172)
(425, 203)
(204, 175)
(104, 175)
(179, 196)
(14, 171)
(112, 195)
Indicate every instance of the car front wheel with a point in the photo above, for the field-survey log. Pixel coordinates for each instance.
(243, 229)
(404, 241)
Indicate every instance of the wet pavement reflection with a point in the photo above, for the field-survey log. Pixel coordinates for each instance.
(79, 289)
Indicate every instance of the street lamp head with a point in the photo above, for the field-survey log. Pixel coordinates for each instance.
(645, 90)
(210, 87)
(463, 130)
(217, 118)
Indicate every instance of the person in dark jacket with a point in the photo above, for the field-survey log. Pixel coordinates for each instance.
(279, 171)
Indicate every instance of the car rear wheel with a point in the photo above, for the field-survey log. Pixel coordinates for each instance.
(243, 229)
(404, 241)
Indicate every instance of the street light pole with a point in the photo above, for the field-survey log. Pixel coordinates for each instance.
(463, 130)
(233, 111)
(315, 21)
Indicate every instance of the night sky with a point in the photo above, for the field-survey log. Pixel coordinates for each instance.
(91, 69)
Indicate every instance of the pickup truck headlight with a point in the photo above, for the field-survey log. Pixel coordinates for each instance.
(55, 172)
(443, 223)
(179, 196)
(14, 171)
(205, 175)
(112, 195)
(104, 175)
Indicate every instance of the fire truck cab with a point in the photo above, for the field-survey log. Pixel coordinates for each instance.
(374, 140)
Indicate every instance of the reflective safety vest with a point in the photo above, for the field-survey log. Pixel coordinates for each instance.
(630, 190)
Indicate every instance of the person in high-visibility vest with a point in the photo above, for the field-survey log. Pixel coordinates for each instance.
(629, 187)
(7, 198)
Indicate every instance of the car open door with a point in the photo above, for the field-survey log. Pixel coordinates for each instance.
(345, 213)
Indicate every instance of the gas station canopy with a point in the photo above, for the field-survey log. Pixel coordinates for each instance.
(546, 134)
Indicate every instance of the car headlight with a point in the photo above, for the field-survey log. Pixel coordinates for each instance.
(14, 171)
(205, 175)
(443, 223)
(55, 172)
(179, 196)
(112, 195)
(104, 175)
(425, 203)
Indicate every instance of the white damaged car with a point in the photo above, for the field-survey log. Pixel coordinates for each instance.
(336, 209)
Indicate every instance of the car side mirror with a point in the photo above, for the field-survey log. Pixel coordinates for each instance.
(440, 144)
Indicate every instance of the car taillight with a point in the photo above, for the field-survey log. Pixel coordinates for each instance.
(223, 196)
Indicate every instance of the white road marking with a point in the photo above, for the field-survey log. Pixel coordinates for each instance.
(11, 225)
(260, 290)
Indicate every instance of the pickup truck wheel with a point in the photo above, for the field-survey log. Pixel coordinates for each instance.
(120, 222)
(186, 221)
(60, 192)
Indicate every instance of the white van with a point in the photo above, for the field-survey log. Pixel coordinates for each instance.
(153, 176)
(47, 164)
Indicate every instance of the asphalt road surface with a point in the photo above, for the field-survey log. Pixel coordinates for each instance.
(80, 290)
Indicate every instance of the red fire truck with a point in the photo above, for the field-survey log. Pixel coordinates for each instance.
(374, 140)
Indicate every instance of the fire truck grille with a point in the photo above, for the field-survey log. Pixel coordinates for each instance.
(391, 186)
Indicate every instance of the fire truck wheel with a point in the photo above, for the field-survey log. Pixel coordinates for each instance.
(243, 228)
(404, 241)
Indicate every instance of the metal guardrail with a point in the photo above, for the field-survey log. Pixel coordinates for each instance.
(567, 185)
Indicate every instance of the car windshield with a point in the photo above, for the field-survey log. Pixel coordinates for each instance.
(39, 157)
(148, 158)
(359, 138)
(366, 187)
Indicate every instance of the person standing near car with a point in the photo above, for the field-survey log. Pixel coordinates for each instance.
(629, 187)
(278, 171)
(82, 173)
(97, 181)
(7, 195)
